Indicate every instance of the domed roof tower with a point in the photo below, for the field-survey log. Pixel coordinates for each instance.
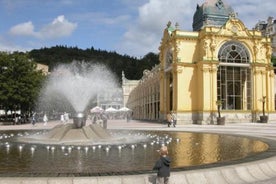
(212, 13)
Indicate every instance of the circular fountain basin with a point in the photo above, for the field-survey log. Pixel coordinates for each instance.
(136, 155)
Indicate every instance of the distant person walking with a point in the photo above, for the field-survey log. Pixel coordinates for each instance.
(128, 116)
(16, 119)
(45, 119)
(169, 119)
(66, 117)
(62, 118)
(173, 118)
(163, 166)
(33, 119)
(104, 119)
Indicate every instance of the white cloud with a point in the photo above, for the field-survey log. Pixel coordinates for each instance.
(145, 34)
(251, 11)
(101, 18)
(24, 29)
(59, 27)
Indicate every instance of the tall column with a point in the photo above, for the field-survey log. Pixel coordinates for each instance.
(272, 92)
(207, 88)
(162, 92)
(260, 88)
(175, 88)
(214, 86)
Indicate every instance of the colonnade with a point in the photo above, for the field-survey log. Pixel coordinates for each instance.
(145, 98)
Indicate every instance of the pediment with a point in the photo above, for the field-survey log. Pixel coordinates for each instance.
(234, 27)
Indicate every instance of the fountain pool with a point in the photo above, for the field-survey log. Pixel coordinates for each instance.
(129, 157)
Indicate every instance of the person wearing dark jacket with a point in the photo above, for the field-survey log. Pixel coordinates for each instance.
(163, 166)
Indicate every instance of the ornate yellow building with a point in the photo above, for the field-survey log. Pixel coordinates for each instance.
(220, 61)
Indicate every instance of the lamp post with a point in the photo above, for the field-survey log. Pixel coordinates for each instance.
(220, 120)
(263, 118)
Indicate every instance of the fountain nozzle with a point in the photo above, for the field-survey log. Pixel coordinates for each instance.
(79, 120)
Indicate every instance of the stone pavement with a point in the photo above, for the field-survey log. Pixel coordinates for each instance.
(260, 171)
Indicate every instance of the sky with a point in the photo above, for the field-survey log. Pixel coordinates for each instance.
(128, 27)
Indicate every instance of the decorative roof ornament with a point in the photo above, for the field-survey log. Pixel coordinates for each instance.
(169, 24)
(232, 15)
(176, 25)
(220, 4)
(170, 29)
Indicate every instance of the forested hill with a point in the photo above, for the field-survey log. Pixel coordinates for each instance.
(132, 67)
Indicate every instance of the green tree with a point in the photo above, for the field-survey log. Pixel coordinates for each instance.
(117, 63)
(20, 82)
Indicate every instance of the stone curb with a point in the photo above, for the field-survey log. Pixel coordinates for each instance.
(250, 172)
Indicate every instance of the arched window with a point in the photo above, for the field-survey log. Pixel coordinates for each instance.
(234, 77)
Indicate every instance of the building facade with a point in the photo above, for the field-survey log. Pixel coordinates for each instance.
(127, 87)
(268, 29)
(144, 99)
(43, 68)
(110, 98)
(220, 61)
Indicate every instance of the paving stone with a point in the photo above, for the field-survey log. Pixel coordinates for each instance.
(143, 179)
(110, 180)
(267, 170)
(272, 165)
(85, 180)
(178, 178)
(245, 175)
(10, 181)
(215, 177)
(62, 180)
(35, 181)
(231, 176)
(255, 171)
(195, 178)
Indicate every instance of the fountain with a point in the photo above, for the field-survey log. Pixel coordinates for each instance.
(77, 83)
(69, 149)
